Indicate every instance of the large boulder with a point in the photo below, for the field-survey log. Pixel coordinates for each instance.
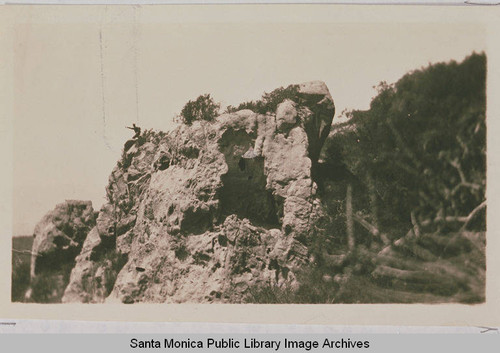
(60, 234)
(59, 237)
(211, 210)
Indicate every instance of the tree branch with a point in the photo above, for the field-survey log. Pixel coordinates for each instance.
(463, 180)
(371, 228)
(473, 213)
(466, 220)
(416, 228)
(27, 252)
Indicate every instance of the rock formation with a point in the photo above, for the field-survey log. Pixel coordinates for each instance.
(205, 212)
(59, 237)
(60, 234)
(241, 209)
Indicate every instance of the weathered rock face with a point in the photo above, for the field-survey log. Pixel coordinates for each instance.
(60, 234)
(207, 211)
(59, 237)
(316, 113)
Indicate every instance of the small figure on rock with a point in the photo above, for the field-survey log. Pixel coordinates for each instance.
(136, 129)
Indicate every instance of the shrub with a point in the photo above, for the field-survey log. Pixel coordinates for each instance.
(203, 108)
(21, 264)
(20, 280)
(49, 286)
(269, 101)
(271, 293)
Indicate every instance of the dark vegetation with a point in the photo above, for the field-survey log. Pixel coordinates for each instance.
(21, 262)
(404, 185)
(203, 108)
(103, 273)
(420, 151)
(47, 287)
(269, 101)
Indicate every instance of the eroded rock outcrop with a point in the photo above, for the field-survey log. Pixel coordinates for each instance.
(207, 211)
(60, 234)
(59, 237)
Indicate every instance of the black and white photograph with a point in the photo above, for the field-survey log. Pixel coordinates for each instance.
(270, 160)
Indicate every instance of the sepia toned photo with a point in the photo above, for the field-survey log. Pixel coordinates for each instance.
(182, 162)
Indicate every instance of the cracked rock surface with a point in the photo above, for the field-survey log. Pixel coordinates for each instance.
(205, 212)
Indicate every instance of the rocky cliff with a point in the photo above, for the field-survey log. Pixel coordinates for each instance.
(207, 211)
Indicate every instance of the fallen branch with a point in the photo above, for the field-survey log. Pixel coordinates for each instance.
(27, 252)
(411, 233)
(371, 228)
(447, 219)
(461, 219)
(416, 228)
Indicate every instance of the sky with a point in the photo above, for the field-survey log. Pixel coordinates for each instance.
(76, 86)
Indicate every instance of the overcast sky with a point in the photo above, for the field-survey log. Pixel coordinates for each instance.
(78, 85)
